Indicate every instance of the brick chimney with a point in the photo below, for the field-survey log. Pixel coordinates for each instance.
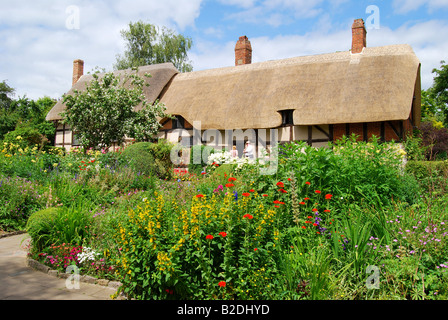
(78, 70)
(243, 51)
(359, 36)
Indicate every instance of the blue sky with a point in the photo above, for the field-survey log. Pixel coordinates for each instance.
(40, 39)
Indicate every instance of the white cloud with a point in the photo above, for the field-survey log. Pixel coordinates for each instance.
(239, 3)
(424, 38)
(38, 49)
(276, 13)
(405, 6)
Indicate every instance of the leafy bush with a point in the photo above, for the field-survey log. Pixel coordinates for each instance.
(432, 176)
(423, 169)
(355, 170)
(148, 158)
(436, 141)
(59, 226)
(24, 137)
(413, 145)
(199, 155)
(40, 227)
(19, 198)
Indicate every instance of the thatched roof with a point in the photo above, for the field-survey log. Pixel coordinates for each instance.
(376, 85)
(161, 74)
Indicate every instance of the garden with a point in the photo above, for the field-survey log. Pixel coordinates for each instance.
(352, 221)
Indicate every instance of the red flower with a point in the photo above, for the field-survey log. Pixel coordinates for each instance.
(328, 196)
(265, 195)
(317, 191)
(209, 237)
(308, 183)
(255, 249)
(310, 217)
(280, 184)
(199, 196)
(169, 291)
(248, 216)
(230, 185)
(245, 194)
(282, 190)
(306, 199)
(276, 201)
(289, 179)
(302, 203)
(315, 209)
(203, 172)
(303, 227)
(277, 206)
(326, 210)
(223, 234)
(222, 284)
(232, 179)
(315, 224)
(251, 190)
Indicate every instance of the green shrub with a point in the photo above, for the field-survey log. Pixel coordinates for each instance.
(431, 175)
(225, 168)
(355, 170)
(59, 226)
(415, 149)
(26, 137)
(148, 158)
(198, 158)
(423, 169)
(19, 198)
(40, 227)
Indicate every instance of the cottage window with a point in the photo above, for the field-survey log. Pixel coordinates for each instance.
(287, 117)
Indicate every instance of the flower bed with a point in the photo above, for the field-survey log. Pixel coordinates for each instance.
(312, 230)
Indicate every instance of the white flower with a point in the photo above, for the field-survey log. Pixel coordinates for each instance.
(87, 254)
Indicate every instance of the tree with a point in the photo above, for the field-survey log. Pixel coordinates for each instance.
(105, 113)
(5, 92)
(432, 108)
(440, 89)
(146, 44)
(24, 113)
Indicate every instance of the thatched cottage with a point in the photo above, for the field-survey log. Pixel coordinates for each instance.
(319, 98)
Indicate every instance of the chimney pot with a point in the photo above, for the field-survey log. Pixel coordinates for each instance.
(243, 51)
(359, 36)
(78, 70)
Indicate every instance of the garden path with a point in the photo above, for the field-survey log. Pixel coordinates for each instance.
(20, 282)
